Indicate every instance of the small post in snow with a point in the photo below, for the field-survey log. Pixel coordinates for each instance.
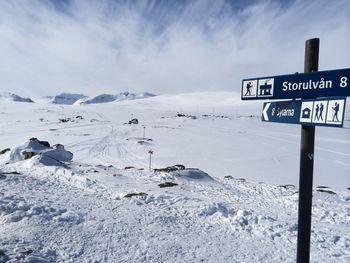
(150, 160)
(144, 131)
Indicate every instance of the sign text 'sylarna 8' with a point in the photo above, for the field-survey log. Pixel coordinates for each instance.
(320, 112)
(300, 85)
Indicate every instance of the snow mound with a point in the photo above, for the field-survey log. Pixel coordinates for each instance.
(104, 98)
(67, 98)
(218, 208)
(41, 151)
(14, 97)
(239, 218)
(193, 174)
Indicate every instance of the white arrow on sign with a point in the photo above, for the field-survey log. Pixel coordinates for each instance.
(266, 118)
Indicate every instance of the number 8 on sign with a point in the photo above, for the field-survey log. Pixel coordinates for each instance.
(343, 82)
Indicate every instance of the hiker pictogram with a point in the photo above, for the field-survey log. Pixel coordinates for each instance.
(249, 88)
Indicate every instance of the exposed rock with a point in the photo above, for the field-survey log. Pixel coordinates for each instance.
(328, 191)
(180, 166)
(186, 116)
(5, 150)
(134, 194)
(28, 155)
(167, 184)
(3, 257)
(287, 186)
(168, 169)
(134, 121)
(65, 120)
(325, 189)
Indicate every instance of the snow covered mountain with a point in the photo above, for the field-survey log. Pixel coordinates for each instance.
(104, 98)
(66, 98)
(13, 97)
(78, 99)
(222, 185)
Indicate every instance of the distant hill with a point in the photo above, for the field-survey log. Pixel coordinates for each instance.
(13, 97)
(104, 98)
(77, 99)
(66, 98)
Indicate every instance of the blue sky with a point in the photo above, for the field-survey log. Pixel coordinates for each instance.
(109, 46)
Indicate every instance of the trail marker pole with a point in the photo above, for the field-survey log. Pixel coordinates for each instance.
(150, 160)
(306, 165)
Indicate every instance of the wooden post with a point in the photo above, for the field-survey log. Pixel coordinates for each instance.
(306, 165)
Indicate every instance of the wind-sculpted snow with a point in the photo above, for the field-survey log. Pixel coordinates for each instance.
(238, 202)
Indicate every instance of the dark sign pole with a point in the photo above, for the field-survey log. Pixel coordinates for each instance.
(306, 165)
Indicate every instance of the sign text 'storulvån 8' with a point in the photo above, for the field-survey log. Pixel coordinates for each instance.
(300, 85)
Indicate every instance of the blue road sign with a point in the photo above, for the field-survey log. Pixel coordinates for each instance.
(300, 85)
(320, 112)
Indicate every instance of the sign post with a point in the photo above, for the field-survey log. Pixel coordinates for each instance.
(306, 165)
(319, 99)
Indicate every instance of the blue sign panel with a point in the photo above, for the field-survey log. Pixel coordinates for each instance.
(301, 85)
(320, 112)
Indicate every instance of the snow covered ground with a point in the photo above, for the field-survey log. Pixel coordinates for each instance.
(237, 204)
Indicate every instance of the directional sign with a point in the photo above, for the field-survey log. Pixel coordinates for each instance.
(320, 112)
(304, 85)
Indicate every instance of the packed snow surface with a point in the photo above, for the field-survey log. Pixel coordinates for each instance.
(223, 185)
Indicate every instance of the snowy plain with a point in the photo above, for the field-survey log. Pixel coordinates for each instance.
(237, 204)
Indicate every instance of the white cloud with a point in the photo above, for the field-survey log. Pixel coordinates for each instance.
(162, 46)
